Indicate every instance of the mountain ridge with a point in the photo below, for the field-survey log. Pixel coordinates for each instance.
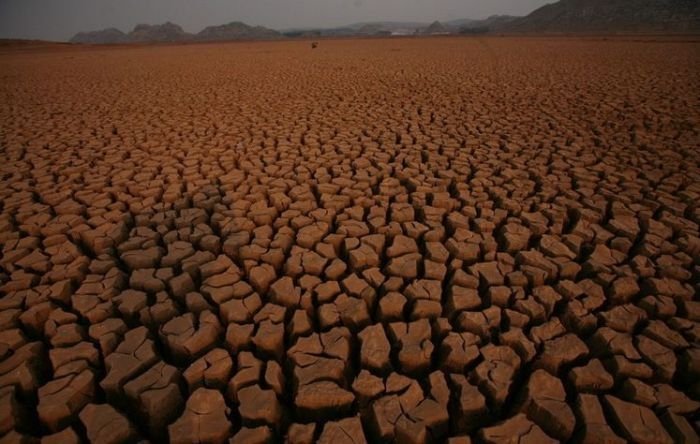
(170, 32)
(563, 16)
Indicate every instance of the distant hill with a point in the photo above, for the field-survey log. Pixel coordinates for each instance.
(387, 28)
(167, 32)
(372, 29)
(459, 23)
(170, 32)
(435, 28)
(490, 24)
(109, 35)
(237, 31)
(28, 45)
(359, 29)
(611, 16)
(389, 25)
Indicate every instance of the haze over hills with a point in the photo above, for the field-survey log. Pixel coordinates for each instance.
(463, 26)
(359, 29)
(586, 16)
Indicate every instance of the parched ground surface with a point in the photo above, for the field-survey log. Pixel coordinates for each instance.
(378, 240)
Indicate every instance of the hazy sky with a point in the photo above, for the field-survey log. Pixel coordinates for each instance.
(60, 19)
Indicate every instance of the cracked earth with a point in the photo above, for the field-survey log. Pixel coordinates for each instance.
(414, 241)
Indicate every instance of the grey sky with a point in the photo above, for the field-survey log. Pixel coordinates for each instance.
(60, 19)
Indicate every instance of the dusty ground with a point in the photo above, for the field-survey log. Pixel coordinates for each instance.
(390, 240)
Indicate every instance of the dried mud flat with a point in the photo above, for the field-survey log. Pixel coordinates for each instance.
(480, 240)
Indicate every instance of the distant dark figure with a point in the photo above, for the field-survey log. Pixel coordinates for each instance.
(314, 45)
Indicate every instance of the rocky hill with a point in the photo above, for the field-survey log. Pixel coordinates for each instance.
(167, 32)
(611, 16)
(237, 31)
(109, 35)
(171, 32)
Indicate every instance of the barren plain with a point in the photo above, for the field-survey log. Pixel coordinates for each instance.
(398, 240)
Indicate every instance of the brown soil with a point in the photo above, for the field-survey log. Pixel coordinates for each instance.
(486, 239)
